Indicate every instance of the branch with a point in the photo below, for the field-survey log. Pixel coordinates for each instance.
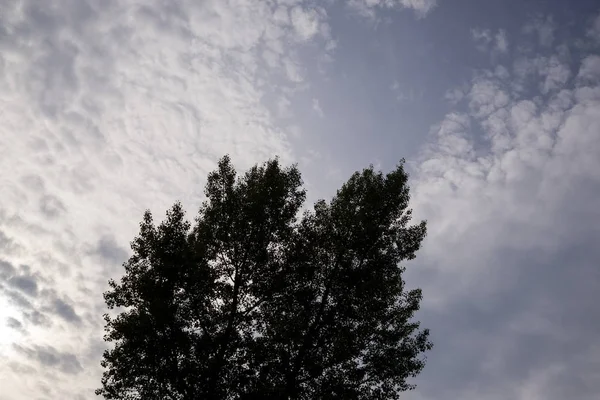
(223, 261)
(257, 304)
(291, 380)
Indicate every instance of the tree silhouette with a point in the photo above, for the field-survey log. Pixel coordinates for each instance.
(257, 300)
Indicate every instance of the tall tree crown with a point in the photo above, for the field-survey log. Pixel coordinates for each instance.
(258, 300)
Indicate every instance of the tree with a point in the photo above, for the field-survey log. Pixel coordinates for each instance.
(258, 300)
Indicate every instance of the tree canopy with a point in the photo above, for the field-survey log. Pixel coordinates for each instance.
(258, 299)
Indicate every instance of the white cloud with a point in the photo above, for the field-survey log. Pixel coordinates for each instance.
(305, 22)
(554, 72)
(368, 8)
(508, 184)
(501, 41)
(531, 150)
(284, 107)
(594, 30)
(486, 96)
(590, 68)
(110, 109)
(482, 36)
(544, 28)
(420, 6)
(293, 70)
(486, 41)
(316, 105)
(454, 95)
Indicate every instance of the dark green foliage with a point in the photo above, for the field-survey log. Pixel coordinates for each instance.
(252, 303)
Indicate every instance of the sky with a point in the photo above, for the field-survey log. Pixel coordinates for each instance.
(111, 107)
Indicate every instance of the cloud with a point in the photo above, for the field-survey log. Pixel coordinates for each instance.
(37, 318)
(305, 22)
(18, 300)
(109, 251)
(594, 30)
(316, 105)
(486, 40)
(20, 279)
(526, 142)
(26, 284)
(48, 356)
(501, 41)
(368, 8)
(590, 69)
(544, 28)
(454, 95)
(409, 95)
(482, 36)
(420, 6)
(51, 206)
(14, 324)
(507, 183)
(486, 96)
(21, 286)
(553, 71)
(109, 108)
(6, 270)
(66, 311)
(7, 245)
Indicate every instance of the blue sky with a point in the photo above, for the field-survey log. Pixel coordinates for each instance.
(108, 108)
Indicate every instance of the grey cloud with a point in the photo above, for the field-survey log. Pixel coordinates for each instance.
(486, 96)
(486, 40)
(513, 227)
(594, 29)
(66, 311)
(454, 95)
(553, 70)
(53, 80)
(22, 290)
(305, 22)
(590, 69)
(501, 41)
(71, 67)
(421, 6)
(37, 318)
(371, 8)
(26, 284)
(21, 369)
(7, 245)
(541, 315)
(13, 323)
(51, 206)
(544, 27)
(20, 279)
(108, 250)
(6, 270)
(18, 300)
(117, 106)
(48, 356)
(33, 182)
(95, 349)
(556, 75)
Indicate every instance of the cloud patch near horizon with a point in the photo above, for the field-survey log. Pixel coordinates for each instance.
(370, 8)
(509, 182)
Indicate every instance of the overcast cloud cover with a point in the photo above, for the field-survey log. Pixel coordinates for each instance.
(111, 107)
